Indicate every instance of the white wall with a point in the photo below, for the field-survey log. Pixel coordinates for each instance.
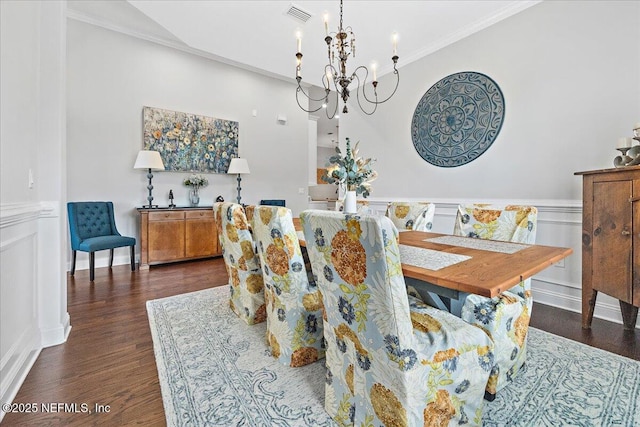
(33, 312)
(570, 75)
(111, 76)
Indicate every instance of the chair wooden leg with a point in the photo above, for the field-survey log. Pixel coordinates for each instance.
(133, 258)
(110, 257)
(73, 263)
(92, 264)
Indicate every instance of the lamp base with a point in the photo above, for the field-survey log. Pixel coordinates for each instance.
(151, 207)
(239, 188)
(150, 188)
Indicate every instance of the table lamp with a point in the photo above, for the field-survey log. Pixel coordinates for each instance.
(239, 166)
(149, 160)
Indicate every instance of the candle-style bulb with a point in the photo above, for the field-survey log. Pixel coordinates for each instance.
(326, 23)
(624, 142)
(299, 39)
(394, 37)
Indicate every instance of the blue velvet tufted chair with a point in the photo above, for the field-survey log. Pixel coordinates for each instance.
(93, 228)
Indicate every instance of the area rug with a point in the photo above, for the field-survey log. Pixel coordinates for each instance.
(215, 370)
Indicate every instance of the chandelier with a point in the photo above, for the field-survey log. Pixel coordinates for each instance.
(339, 48)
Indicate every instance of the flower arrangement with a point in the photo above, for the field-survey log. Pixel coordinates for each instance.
(351, 171)
(196, 181)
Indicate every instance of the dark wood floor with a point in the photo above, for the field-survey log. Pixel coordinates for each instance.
(108, 358)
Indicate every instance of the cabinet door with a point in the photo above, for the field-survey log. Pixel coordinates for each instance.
(166, 236)
(612, 239)
(200, 234)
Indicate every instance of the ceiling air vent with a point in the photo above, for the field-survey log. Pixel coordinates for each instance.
(297, 13)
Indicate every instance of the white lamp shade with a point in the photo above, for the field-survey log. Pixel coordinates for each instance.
(149, 160)
(239, 165)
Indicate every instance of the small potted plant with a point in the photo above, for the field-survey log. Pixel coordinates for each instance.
(195, 181)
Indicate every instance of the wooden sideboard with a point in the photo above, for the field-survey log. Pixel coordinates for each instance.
(611, 240)
(177, 234)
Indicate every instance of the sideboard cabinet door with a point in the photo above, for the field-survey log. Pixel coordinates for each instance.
(201, 236)
(612, 246)
(611, 240)
(166, 236)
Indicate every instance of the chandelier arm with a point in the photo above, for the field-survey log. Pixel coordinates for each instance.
(335, 110)
(375, 104)
(337, 96)
(304, 109)
(395, 71)
(301, 89)
(334, 73)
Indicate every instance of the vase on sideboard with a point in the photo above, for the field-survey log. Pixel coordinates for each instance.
(194, 197)
(350, 202)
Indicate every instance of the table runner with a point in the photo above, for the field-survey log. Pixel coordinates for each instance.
(481, 244)
(428, 258)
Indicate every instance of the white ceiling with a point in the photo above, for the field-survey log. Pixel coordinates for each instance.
(258, 35)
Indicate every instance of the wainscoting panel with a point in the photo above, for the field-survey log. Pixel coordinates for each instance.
(20, 341)
(52, 244)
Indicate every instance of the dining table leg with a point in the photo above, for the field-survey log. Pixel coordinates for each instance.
(439, 297)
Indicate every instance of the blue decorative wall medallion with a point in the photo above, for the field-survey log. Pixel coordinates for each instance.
(457, 119)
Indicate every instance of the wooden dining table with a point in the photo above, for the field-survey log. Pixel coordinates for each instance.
(491, 268)
(444, 269)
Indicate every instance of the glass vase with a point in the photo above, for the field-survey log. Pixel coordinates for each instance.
(194, 196)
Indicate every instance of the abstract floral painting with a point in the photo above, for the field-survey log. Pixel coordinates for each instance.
(190, 143)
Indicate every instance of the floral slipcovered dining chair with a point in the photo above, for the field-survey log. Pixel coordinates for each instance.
(416, 216)
(294, 303)
(506, 317)
(243, 265)
(391, 360)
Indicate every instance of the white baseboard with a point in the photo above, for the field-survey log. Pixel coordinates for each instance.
(83, 264)
(57, 335)
(17, 363)
(555, 297)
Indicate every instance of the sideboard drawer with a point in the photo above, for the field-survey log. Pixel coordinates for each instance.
(208, 214)
(166, 216)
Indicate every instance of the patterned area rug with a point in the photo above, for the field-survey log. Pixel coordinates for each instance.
(216, 371)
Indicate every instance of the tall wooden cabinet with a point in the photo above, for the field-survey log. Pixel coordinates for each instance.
(611, 240)
(178, 234)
